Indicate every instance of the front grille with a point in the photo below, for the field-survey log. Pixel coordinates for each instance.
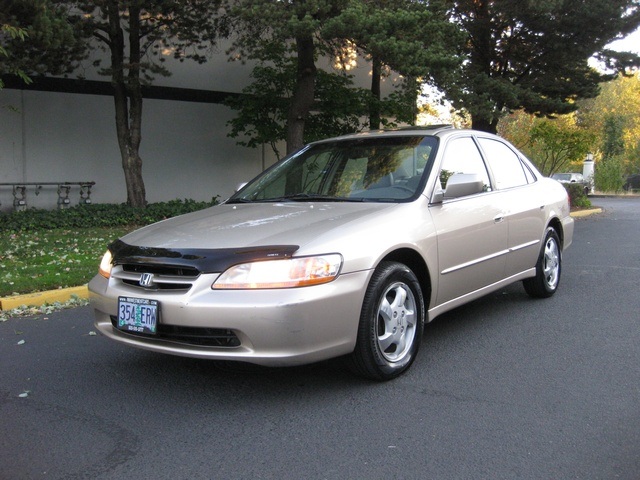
(165, 277)
(196, 336)
(158, 286)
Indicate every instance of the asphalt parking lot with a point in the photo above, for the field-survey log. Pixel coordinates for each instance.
(506, 387)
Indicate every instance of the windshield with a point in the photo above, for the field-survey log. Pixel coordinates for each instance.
(379, 169)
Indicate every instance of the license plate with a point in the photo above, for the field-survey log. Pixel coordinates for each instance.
(138, 315)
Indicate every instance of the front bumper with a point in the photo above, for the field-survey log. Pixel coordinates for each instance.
(278, 327)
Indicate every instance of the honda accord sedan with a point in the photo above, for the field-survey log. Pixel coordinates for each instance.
(345, 248)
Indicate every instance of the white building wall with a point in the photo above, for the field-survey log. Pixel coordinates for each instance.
(64, 137)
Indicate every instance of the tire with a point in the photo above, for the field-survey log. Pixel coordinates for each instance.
(391, 324)
(548, 268)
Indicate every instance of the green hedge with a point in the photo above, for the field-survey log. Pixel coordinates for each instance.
(98, 215)
(577, 197)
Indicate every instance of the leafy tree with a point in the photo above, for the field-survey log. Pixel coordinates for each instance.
(39, 37)
(558, 143)
(609, 175)
(516, 127)
(285, 36)
(291, 98)
(134, 33)
(415, 39)
(262, 109)
(613, 143)
(554, 145)
(534, 54)
(12, 33)
(613, 118)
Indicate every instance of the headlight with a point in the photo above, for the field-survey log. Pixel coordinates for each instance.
(294, 272)
(105, 265)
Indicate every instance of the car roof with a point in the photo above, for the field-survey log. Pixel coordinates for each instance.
(434, 130)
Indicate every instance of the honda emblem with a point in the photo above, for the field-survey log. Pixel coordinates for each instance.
(146, 280)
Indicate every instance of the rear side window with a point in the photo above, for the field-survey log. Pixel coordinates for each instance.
(506, 166)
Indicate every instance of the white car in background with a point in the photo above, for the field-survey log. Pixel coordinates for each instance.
(343, 249)
(573, 178)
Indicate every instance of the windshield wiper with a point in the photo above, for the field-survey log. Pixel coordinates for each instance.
(311, 197)
(298, 197)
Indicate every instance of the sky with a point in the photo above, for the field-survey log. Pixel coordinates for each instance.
(629, 44)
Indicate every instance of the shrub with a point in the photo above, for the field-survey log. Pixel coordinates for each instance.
(577, 197)
(609, 175)
(98, 215)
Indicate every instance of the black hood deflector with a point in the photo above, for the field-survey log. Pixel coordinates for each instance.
(206, 260)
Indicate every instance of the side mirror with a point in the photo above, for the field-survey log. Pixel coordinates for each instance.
(460, 185)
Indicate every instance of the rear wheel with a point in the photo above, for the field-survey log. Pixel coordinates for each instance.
(391, 323)
(548, 268)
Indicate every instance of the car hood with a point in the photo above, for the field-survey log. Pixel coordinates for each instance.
(256, 224)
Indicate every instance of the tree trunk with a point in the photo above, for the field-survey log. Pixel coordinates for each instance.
(374, 110)
(484, 124)
(303, 95)
(480, 29)
(127, 100)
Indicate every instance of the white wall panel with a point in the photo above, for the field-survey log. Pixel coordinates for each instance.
(69, 137)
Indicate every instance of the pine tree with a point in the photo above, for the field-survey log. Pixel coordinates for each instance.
(535, 54)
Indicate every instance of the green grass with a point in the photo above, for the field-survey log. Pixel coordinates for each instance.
(34, 261)
(50, 249)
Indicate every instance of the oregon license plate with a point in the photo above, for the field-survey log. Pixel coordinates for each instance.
(138, 315)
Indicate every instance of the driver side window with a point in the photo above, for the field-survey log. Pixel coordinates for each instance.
(462, 156)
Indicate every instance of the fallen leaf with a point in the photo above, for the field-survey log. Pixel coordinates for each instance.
(21, 342)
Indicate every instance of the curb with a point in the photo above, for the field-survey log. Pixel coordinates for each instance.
(37, 299)
(585, 213)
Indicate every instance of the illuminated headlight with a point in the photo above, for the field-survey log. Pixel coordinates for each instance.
(105, 265)
(294, 272)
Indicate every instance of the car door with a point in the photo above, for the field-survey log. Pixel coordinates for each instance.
(471, 230)
(523, 204)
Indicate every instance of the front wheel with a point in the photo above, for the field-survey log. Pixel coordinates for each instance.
(391, 323)
(548, 268)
